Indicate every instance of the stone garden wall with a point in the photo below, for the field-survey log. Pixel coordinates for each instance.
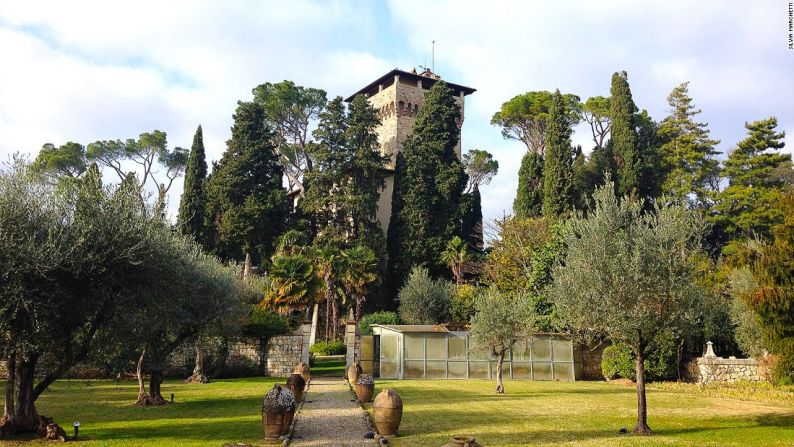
(711, 368)
(222, 358)
(587, 361)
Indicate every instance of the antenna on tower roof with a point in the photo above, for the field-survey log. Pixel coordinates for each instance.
(433, 60)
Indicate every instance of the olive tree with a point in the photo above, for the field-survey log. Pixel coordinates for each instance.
(628, 276)
(500, 321)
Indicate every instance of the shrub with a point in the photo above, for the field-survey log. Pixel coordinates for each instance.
(618, 361)
(384, 317)
(661, 364)
(336, 347)
(264, 323)
(424, 300)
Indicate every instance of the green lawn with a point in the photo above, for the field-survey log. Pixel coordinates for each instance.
(581, 414)
(532, 413)
(329, 368)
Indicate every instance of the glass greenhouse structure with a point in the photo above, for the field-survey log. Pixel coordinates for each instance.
(434, 352)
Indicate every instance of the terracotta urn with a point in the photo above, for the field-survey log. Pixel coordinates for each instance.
(304, 370)
(353, 372)
(387, 412)
(297, 385)
(278, 409)
(364, 388)
(462, 441)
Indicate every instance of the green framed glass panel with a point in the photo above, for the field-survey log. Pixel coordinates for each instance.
(562, 350)
(389, 370)
(541, 350)
(414, 346)
(414, 369)
(563, 371)
(521, 352)
(475, 355)
(478, 370)
(522, 370)
(436, 347)
(457, 347)
(541, 371)
(388, 348)
(457, 370)
(436, 370)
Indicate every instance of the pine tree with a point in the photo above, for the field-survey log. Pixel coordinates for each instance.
(471, 226)
(691, 173)
(429, 182)
(194, 195)
(623, 141)
(746, 207)
(246, 200)
(529, 196)
(558, 164)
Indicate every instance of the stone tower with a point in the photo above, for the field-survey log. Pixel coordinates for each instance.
(397, 96)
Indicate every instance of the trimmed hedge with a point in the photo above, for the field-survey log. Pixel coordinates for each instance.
(365, 325)
(328, 348)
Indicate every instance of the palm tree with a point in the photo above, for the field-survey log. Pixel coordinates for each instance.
(294, 284)
(328, 262)
(359, 273)
(456, 256)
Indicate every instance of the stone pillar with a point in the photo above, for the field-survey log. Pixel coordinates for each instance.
(306, 332)
(353, 343)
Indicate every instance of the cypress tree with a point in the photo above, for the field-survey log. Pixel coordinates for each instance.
(529, 196)
(558, 162)
(194, 195)
(428, 185)
(623, 140)
(246, 200)
(687, 153)
(746, 207)
(471, 226)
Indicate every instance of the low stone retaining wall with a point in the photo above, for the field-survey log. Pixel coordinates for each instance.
(718, 369)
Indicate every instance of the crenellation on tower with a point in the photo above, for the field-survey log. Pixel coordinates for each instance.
(398, 96)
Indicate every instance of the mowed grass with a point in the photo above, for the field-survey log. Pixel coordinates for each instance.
(532, 413)
(581, 414)
(202, 415)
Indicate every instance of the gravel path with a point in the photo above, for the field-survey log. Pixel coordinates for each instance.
(330, 417)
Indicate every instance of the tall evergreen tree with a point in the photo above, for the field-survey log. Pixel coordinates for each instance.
(558, 162)
(623, 141)
(247, 203)
(344, 187)
(529, 196)
(746, 207)
(471, 226)
(429, 182)
(691, 173)
(194, 195)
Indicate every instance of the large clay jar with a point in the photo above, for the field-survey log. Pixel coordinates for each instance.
(387, 412)
(278, 409)
(296, 384)
(303, 369)
(462, 441)
(353, 372)
(364, 388)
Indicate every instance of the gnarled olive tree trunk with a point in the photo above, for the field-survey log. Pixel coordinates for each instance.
(642, 407)
(198, 368)
(500, 388)
(19, 410)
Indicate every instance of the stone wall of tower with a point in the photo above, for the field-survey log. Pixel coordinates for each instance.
(397, 105)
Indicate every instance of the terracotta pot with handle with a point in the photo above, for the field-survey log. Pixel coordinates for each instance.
(304, 370)
(297, 385)
(278, 409)
(364, 388)
(353, 372)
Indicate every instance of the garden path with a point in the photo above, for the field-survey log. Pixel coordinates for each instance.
(330, 417)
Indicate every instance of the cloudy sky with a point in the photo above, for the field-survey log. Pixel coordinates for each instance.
(83, 71)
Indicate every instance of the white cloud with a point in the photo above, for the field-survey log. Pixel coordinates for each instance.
(93, 70)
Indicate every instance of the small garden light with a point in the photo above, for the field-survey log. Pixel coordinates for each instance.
(172, 397)
(76, 425)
